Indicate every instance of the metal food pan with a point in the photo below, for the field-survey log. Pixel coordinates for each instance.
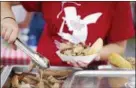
(5, 74)
(22, 68)
(96, 79)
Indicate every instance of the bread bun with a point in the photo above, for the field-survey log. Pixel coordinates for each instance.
(96, 47)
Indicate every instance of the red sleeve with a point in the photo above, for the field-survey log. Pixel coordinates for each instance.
(122, 27)
(32, 6)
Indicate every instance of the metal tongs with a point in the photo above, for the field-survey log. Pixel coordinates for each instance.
(40, 60)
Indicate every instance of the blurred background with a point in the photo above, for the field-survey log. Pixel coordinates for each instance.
(31, 26)
(131, 44)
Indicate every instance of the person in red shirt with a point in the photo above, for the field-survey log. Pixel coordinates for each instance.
(111, 21)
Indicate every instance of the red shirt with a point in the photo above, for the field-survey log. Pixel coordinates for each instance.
(114, 25)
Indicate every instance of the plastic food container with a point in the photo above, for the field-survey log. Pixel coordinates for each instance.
(101, 79)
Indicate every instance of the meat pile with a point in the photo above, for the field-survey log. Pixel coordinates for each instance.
(44, 78)
(80, 49)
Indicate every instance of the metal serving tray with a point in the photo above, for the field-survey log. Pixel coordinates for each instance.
(21, 68)
(101, 79)
(89, 76)
(5, 74)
